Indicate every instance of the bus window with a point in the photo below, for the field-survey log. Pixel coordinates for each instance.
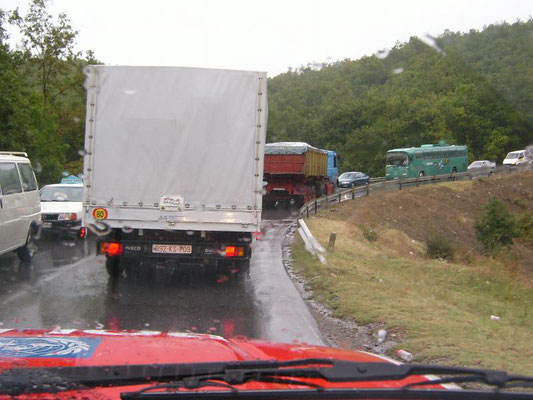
(397, 159)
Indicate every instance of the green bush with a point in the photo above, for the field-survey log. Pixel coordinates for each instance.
(496, 228)
(439, 247)
(524, 226)
(370, 234)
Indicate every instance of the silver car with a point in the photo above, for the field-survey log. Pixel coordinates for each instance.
(481, 167)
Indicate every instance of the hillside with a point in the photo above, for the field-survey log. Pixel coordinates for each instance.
(380, 272)
(477, 89)
(447, 211)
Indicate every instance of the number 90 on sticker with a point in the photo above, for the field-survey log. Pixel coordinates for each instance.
(100, 213)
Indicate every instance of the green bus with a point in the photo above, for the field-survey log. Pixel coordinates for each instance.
(426, 160)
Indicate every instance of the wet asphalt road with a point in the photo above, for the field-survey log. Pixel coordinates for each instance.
(67, 286)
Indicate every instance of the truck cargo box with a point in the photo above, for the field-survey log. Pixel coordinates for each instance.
(294, 158)
(174, 148)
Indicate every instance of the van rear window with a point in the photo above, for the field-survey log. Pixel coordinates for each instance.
(9, 179)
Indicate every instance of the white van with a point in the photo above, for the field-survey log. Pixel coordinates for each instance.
(20, 207)
(517, 157)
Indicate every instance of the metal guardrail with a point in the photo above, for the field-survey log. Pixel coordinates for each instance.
(382, 184)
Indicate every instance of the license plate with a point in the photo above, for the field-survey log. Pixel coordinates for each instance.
(47, 224)
(171, 249)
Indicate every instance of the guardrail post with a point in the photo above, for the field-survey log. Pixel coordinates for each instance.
(353, 193)
(400, 184)
(339, 197)
(417, 182)
(368, 189)
(316, 207)
(331, 244)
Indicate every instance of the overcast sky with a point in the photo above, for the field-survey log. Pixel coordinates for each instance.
(267, 35)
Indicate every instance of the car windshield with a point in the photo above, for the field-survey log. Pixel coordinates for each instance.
(199, 193)
(61, 193)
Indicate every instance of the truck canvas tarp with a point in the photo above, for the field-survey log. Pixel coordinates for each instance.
(174, 148)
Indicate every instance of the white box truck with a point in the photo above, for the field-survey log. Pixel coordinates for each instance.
(173, 165)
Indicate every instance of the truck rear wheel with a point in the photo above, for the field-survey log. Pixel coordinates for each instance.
(243, 266)
(299, 201)
(114, 266)
(241, 270)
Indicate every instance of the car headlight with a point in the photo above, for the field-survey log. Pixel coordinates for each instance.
(67, 217)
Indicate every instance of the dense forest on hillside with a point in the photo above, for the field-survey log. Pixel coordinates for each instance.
(472, 88)
(42, 98)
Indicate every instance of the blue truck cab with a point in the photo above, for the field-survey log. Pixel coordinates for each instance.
(333, 166)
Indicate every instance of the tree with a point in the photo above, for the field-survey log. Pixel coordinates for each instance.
(477, 92)
(47, 45)
(42, 99)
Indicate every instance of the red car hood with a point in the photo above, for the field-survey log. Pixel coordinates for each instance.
(60, 348)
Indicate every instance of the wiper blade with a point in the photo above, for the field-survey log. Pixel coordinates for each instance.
(346, 371)
(55, 379)
(235, 373)
(331, 394)
(195, 383)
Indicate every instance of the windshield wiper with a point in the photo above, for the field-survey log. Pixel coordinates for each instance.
(34, 380)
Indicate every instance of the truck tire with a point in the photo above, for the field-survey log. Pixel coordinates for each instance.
(243, 271)
(244, 267)
(114, 267)
(26, 252)
(299, 201)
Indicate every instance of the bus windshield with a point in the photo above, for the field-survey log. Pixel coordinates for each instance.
(397, 159)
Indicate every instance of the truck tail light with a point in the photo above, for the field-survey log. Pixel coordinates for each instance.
(234, 251)
(83, 232)
(112, 248)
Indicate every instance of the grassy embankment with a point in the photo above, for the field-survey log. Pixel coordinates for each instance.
(441, 309)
